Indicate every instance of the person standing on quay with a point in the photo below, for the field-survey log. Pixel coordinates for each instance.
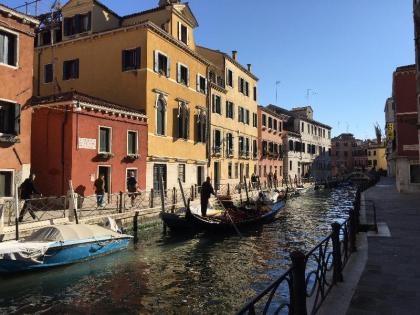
(27, 189)
(132, 187)
(206, 191)
(100, 190)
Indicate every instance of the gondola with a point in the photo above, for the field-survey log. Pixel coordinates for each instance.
(250, 214)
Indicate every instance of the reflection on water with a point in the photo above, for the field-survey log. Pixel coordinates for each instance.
(180, 274)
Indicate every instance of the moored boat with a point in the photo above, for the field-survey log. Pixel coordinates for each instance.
(59, 245)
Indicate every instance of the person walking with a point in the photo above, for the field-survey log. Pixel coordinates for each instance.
(27, 189)
(132, 187)
(100, 190)
(206, 191)
(270, 180)
(275, 179)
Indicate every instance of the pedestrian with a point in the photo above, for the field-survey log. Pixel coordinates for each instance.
(275, 179)
(100, 190)
(270, 180)
(206, 191)
(253, 180)
(27, 189)
(132, 187)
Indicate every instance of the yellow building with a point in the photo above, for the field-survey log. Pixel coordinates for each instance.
(147, 61)
(233, 121)
(377, 157)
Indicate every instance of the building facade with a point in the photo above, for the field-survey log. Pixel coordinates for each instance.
(17, 32)
(342, 159)
(416, 10)
(146, 61)
(314, 143)
(271, 149)
(83, 137)
(360, 156)
(233, 145)
(377, 157)
(406, 137)
(390, 136)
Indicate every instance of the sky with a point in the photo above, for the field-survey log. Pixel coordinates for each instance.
(343, 51)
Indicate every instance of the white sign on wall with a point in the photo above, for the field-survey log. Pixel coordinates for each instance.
(86, 143)
(411, 147)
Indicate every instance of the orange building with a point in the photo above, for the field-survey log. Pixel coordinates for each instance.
(16, 68)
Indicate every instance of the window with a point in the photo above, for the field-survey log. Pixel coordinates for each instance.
(71, 69)
(308, 128)
(246, 88)
(414, 174)
(275, 124)
(290, 165)
(246, 117)
(247, 148)
(181, 172)
(132, 140)
(183, 33)
(255, 120)
(271, 148)
(9, 118)
(217, 104)
(104, 140)
(201, 84)
(6, 182)
(80, 23)
(183, 75)
(230, 170)
(162, 64)
(128, 173)
(254, 149)
(202, 128)
(236, 170)
(270, 123)
(217, 141)
(329, 134)
(229, 144)
(280, 126)
(264, 148)
(160, 117)
(131, 59)
(374, 152)
(241, 115)
(8, 48)
(303, 127)
(48, 73)
(303, 147)
(229, 78)
(230, 110)
(255, 93)
(159, 171)
(241, 85)
(290, 145)
(241, 146)
(183, 121)
(264, 120)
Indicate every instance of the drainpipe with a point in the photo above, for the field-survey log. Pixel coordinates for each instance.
(63, 131)
(38, 85)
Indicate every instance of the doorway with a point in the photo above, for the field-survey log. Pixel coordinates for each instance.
(200, 175)
(106, 172)
(158, 171)
(216, 175)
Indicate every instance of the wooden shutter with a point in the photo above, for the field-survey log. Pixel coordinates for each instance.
(16, 117)
(156, 65)
(205, 87)
(198, 83)
(188, 76)
(137, 58)
(76, 68)
(179, 30)
(168, 67)
(178, 77)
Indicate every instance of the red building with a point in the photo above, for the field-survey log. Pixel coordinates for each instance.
(270, 143)
(406, 146)
(342, 160)
(16, 72)
(78, 137)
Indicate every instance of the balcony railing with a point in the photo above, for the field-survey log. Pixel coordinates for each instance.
(217, 150)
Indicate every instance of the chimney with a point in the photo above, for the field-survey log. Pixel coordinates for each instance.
(249, 67)
(234, 54)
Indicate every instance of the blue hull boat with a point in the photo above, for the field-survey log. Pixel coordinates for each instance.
(59, 245)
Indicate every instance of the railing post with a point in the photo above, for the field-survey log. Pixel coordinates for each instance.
(337, 272)
(152, 197)
(120, 202)
(298, 297)
(353, 231)
(173, 200)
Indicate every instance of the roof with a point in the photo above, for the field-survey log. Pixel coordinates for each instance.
(272, 112)
(294, 115)
(18, 14)
(84, 98)
(236, 63)
(406, 68)
(143, 12)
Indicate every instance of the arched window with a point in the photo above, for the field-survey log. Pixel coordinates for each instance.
(183, 120)
(160, 116)
(202, 126)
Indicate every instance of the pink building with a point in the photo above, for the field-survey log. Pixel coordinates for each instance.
(270, 144)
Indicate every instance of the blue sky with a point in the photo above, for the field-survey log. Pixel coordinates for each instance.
(345, 51)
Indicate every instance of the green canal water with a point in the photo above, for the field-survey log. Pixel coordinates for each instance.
(180, 275)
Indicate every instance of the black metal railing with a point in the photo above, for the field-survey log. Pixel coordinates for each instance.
(312, 276)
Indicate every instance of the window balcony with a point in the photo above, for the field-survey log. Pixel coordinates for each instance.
(230, 152)
(217, 150)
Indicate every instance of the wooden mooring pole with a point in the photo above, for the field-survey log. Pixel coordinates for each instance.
(136, 227)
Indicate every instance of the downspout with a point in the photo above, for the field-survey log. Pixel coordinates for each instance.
(208, 140)
(38, 83)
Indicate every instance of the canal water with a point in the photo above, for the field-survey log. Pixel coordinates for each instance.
(180, 275)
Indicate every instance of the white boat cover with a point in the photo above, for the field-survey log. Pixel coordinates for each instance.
(32, 251)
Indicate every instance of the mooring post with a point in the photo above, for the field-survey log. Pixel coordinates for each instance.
(298, 298)
(120, 210)
(192, 192)
(17, 210)
(173, 200)
(337, 272)
(353, 231)
(135, 227)
(228, 189)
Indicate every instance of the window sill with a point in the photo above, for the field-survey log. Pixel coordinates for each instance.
(71, 79)
(9, 66)
(131, 70)
(8, 138)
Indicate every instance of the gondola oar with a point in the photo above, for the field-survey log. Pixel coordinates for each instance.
(182, 194)
(230, 218)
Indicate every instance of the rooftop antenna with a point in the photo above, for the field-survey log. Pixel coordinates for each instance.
(309, 93)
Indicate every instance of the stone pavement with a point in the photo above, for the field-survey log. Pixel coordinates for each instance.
(390, 283)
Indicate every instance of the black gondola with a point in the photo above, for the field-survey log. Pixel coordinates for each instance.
(245, 216)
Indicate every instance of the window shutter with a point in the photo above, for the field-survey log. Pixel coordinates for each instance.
(123, 60)
(198, 83)
(156, 66)
(168, 67)
(227, 109)
(179, 30)
(188, 77)
(239, 84)
(187, 124)
(188, 37)
(17, 119)
(213, 103)
(137, 58)
(206, 86)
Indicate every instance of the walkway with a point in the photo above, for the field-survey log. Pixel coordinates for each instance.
(390, 283)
